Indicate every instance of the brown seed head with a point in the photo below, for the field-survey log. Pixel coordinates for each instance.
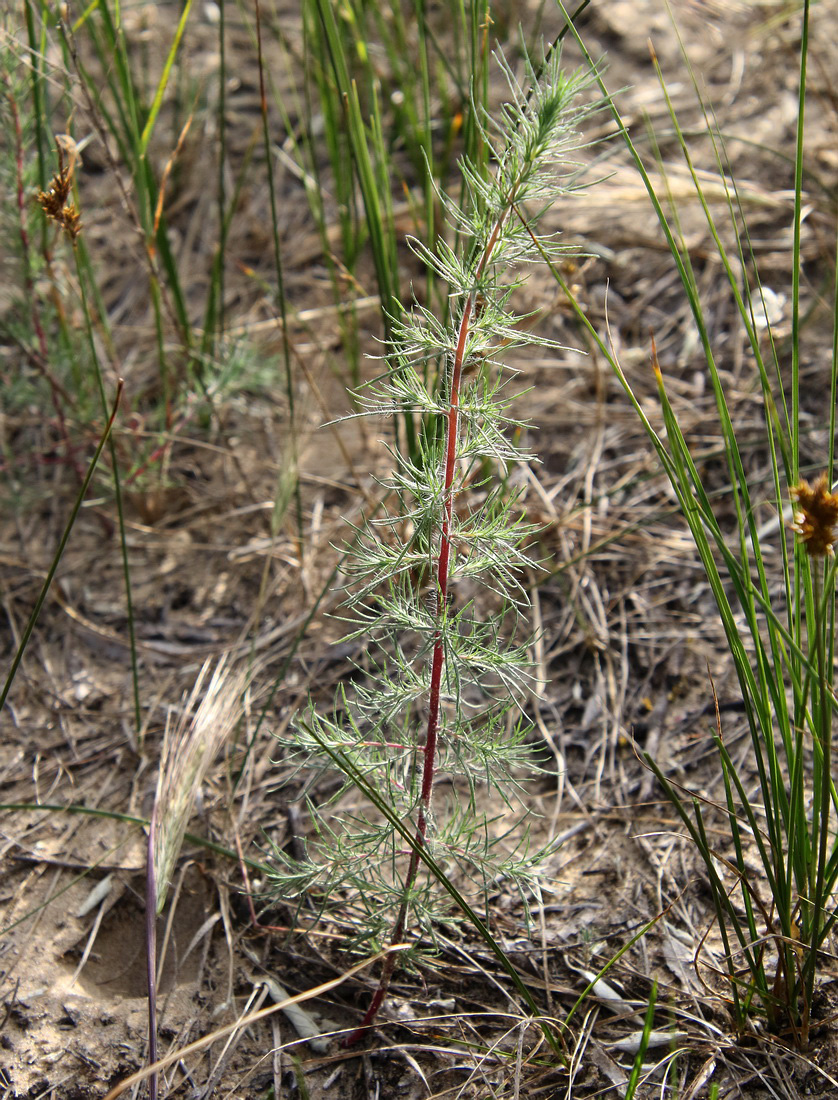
(70, 221)
(816, 516)
(55, 202)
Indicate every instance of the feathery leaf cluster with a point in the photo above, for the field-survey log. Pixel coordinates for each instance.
(442, 689)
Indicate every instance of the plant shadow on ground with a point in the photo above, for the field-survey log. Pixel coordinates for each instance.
(627, 633)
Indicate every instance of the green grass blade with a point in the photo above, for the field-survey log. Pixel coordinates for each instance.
(39, 603)
(157, 101)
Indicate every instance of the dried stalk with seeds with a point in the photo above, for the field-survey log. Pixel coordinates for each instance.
(190, 746)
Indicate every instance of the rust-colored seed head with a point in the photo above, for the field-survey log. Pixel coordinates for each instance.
(815, 516)
(53, 201)
(56, 203)
(70, 221)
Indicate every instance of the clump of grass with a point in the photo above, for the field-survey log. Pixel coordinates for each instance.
(442, 692)
(779, 623)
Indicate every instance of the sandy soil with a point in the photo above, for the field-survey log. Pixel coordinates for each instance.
(628, 635)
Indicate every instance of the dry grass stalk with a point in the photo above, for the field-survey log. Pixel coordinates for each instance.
(190, 745)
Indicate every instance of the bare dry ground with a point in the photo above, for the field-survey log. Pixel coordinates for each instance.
(627, 636)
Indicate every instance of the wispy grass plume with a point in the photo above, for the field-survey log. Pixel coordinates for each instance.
(190, 745)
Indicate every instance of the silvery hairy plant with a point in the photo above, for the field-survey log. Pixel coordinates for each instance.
(439, 696)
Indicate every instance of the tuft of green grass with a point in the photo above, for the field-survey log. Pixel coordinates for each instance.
(779, 622)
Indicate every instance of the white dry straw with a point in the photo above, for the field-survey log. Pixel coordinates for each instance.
(190, 745)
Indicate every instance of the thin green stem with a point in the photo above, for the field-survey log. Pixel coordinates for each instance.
(280, 292)
(131, 819)
(39, 603)
(823, 711)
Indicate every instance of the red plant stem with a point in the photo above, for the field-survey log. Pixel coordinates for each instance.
(438, 656)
